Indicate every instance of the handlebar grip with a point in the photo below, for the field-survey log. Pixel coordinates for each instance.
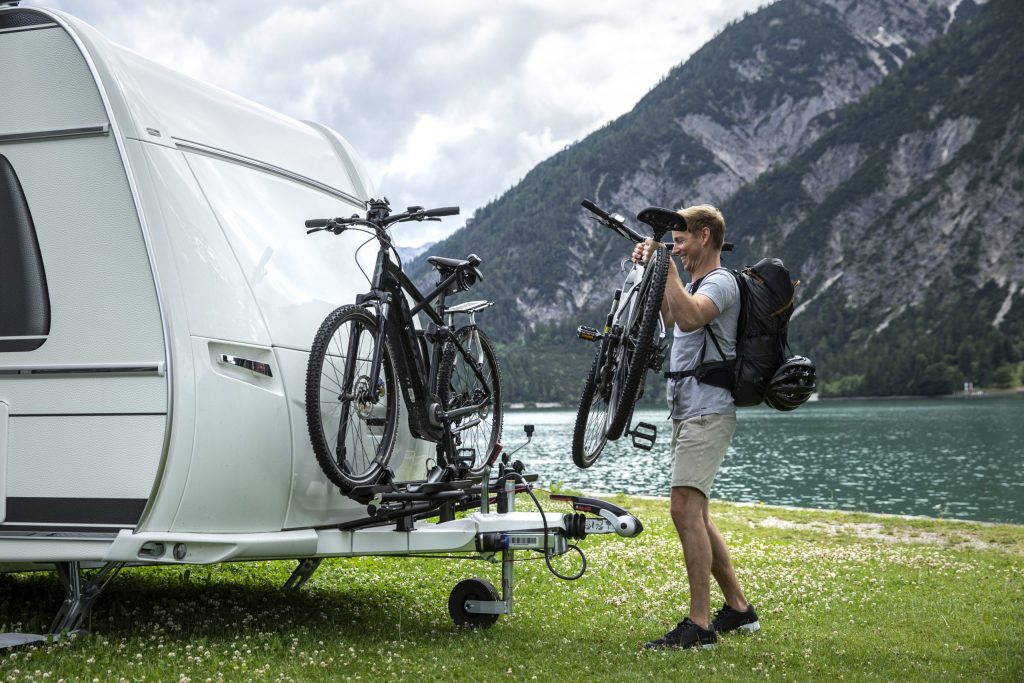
(317, 222)
(594, 208)
(442, 211)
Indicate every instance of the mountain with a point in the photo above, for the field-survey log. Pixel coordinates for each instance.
(906, 221)
(781, 119)
(410, 253)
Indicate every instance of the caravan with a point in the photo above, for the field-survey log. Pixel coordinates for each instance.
(159, 299)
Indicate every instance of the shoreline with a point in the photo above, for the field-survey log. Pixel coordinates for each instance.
(981, 394)
(797, 508)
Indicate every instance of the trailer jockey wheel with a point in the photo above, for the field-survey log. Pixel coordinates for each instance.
(472, 589)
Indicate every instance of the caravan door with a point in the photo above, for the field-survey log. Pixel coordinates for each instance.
(83, 376)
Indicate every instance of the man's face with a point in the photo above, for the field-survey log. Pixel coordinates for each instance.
(689, 247)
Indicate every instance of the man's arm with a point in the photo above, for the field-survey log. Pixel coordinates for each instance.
(679, 307)
(689, 311)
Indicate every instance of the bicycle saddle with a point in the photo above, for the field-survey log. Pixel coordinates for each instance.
(440, 262)
(662, 220)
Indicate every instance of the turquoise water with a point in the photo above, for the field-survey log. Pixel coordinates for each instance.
(941, 458)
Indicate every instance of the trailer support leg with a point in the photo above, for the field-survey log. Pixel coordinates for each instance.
(507, 578)
(75, 609)
(77, 605)
(302, 573)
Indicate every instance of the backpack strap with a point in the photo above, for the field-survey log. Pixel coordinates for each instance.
(707, 328)
(702, 369)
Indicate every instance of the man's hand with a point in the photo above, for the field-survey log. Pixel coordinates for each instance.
(643, 251)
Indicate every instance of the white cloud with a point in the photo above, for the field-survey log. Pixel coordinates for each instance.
(449, 102)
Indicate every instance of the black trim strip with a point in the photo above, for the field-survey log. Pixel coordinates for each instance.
(87, 414)
(74, 511)
(111, 369)
(32, 532)
(21, 29)
(78, 131)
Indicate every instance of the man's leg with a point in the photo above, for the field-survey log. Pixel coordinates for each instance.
(687, 508)
(721, 566)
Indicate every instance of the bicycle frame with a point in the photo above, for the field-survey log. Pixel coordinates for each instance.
(633, 339)
(416, 365)
(623, 311)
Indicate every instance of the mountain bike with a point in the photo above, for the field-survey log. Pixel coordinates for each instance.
(366, 355)
(631, 342)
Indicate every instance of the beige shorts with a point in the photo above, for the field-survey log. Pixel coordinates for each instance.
(698, 447)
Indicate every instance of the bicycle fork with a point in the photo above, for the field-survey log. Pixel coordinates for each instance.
(589, 333)
(350, 389)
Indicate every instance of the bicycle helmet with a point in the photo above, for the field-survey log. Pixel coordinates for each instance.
(792, 384)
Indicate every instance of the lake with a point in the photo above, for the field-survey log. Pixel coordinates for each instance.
(954, 458)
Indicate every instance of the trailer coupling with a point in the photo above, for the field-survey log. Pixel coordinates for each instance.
(611, 518)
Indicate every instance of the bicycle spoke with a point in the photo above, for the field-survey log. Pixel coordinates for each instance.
(462, 386)
(351, 416)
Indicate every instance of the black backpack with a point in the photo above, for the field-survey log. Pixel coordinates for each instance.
(766, 305)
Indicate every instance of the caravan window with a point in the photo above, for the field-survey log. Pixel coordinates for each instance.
(25, 304)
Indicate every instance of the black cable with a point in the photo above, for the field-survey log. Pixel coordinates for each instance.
(544, 521)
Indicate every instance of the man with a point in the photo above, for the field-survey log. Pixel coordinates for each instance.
(703, 422)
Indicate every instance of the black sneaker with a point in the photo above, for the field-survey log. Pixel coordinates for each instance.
(686, 634)
(727, 619)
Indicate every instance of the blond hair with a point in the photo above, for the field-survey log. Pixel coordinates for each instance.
(705, 216)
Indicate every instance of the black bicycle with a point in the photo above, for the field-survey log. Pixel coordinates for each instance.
(631, 342)
(367, 354)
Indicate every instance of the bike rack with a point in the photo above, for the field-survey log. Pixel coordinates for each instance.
(475, 602)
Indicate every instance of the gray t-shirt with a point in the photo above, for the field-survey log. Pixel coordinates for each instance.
(688, 397)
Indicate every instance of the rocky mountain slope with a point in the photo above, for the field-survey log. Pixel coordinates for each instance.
(906, 220)
(777, 120)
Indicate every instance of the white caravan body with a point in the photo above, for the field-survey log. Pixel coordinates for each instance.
(153, 253)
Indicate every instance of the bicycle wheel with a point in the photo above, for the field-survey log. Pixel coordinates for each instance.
(588, 434)
(459, 386)
(351, 416)
(637, 344)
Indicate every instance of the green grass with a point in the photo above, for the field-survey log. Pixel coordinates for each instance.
(841, 597)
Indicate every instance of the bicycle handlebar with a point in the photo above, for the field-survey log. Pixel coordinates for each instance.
(614, 222)
(594, 209)
(414, 213)
(442, 211)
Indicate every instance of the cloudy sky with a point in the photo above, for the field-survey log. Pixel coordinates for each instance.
(447, 102)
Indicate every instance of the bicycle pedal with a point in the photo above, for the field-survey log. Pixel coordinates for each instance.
(375, 422)
(644, 435)
(588, 333)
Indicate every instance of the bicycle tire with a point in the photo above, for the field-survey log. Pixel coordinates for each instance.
(458, 387)
(333, 371)
(588, 434)
(638, 344)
